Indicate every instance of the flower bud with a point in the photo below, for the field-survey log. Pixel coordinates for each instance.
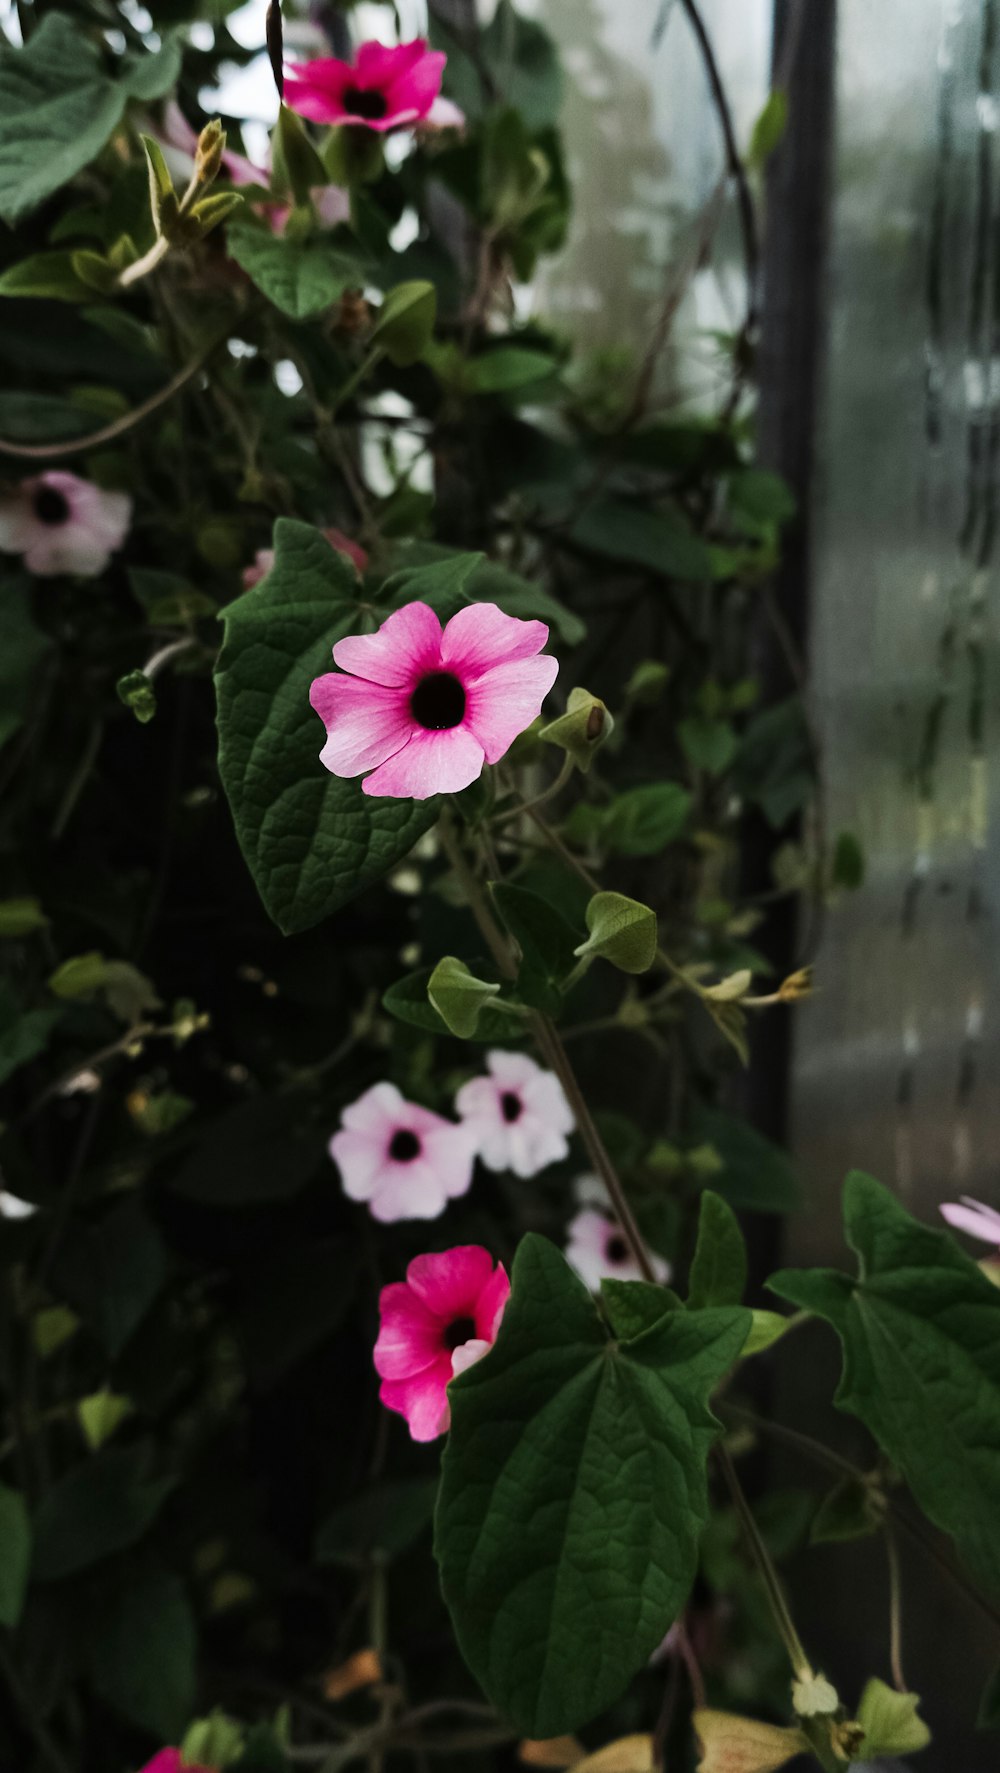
(582, 730)
(209, 152)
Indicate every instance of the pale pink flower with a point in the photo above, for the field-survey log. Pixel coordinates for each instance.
(63, 525)
(597, 1250)
(331, 203)
(443, 114)
(518, 1114)
(974, 1218)
(424, 708)
(403, 1160)
(263, 560)
(384, 89)
(438, 1322)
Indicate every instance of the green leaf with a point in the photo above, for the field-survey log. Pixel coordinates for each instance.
(213, 209)
(989, 1705)
(388, 1520)
(301, 276)
(890, 1722)
(24, 647)
(719, 1268)
(920, 1327)
(21, 917)
(763, 497)
(573, 1493)
(545, 939)
(95, 1510)
(138, 693)
(635, 1306)
(407, 1000)
(641, 822)
(755, 1174)
(23, 1033)
(261, 1150)
(854, 1509)
(405, 323)
(769, 128)
(660, 542)
(112, 1271)
(15, 1554)
(37, 418)
(708, 744)
(47, 275)
(57, 110)
(458, 996)
(622, 931)
(141, 1649)
(99, 1415)
(311, 840)
(767, 1328)
(151, 76)
(296, 165)
(510, 368)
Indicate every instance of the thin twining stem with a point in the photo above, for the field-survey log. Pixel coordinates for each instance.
(801, 1667)
(76, 446)
(549, 1044)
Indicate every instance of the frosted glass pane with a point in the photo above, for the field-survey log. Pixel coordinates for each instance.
(897, 1058)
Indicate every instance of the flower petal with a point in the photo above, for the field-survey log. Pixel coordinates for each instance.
(361, 1160)
(467, 1354)
(505, 701)
(974, 1218)
(431, 763)
(379, 1111)
(409, 1340)
(480, 637)
(365, 723)
(492, 1303)
(449, 1282)
(414, 93)
(423, 1400)
(413, 1190)
(316, 89)
(378, 64)
(407, 644)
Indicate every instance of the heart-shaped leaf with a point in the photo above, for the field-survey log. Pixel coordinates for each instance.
(573, 1492)
(311, 840)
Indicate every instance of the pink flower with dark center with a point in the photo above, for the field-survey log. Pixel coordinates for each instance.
(263, 560)
(404, 1161)
(974, 1218)
(598, 1251)
(383, 89)
(518, 1114)
(63, 525)
(424, 708)
(442, 1319)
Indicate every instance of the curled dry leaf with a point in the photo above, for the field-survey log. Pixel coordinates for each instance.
(363, 1669)
(554, 1751)
(630, 1754)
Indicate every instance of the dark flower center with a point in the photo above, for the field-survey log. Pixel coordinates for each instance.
(616, 1249)
(462, 1329)
(404, 1146)
(360, 102)
(438, 702)
(50, 505)
(511, 1106)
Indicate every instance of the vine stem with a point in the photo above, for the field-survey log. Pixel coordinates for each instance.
(895, 1609)
(734, 162)
(550, 1045)
(801, 1666)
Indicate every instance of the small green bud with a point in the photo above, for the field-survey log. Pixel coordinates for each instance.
(582, 730)
(138, 694)
(209, 152)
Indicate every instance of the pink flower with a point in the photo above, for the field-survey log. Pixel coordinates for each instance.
(169, 1761)
(518, 1114)
(403, 1160)
(331, 203)
(442, 1319)
(424, 709)
(598, 1251)
(974, 1218)
(63, 525)
(263, 560)
(384, 89)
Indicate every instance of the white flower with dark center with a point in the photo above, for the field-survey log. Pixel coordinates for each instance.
(404, 1161)
(519, 1115)
(597, 1249)
(61, 524)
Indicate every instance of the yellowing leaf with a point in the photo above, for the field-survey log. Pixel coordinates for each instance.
(630, 1754)
(731, 1744)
